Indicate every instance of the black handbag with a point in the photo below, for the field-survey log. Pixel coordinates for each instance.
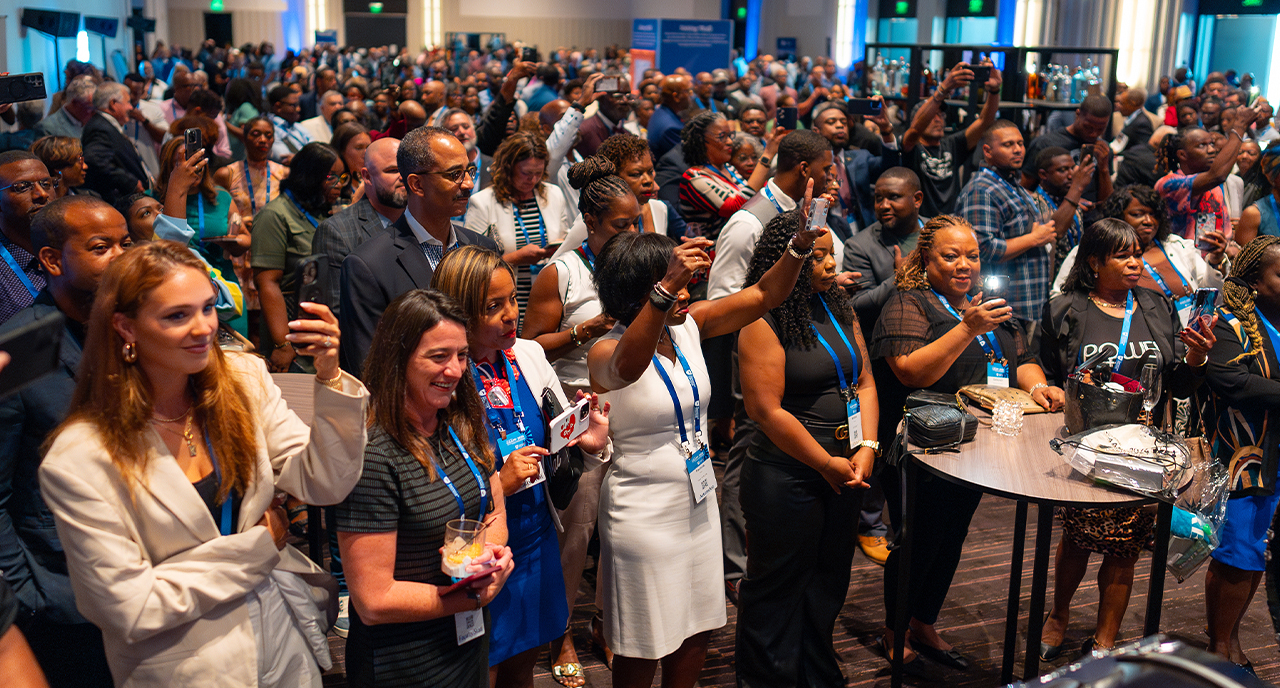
(563, 468)
(1089, 406)
(937, 421)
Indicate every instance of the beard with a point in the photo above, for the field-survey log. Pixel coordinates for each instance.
(392, 198)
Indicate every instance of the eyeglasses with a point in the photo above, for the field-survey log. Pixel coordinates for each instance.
(722, 137)
(23, 187)
(339, 178)
(456, 175)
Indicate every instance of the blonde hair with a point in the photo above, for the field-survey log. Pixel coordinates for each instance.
(912, 274)
(464, 275)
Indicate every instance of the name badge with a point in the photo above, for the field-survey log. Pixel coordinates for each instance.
(468, 625)
(701, 476)
(853, 411)
(1184, 305)
(498, 393)
(998, 373)
(512, 442)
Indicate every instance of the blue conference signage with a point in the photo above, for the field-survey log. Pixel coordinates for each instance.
(330, 36)
(786, 46)
(696, 45)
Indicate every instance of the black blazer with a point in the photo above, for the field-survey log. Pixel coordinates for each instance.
(1139, 131)
(339, 235)
(375, 274)
(114, 165)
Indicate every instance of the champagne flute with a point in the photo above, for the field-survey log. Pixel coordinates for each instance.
(1150, 381)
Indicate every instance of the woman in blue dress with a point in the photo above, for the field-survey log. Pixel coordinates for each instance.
(512, 376)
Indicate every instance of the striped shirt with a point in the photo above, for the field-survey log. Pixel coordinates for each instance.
(528, 213)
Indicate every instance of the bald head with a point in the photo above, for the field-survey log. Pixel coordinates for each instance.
(676, 90)
(385, 188)
(76, 238)
(413, 113)
(551, 113)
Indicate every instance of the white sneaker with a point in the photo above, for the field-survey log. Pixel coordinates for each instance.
(343, 625)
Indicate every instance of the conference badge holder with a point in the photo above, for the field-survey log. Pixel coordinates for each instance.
(698, 464)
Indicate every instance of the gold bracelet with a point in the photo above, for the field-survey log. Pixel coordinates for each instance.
(573, 336)
(334, 383)
(278, 347)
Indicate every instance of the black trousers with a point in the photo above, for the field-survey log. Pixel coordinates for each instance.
(801, 538)
(942, 516)
(71, 655)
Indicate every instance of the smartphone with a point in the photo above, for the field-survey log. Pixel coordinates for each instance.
(529, 54)
(193, 139)
(21, 87)
(995, 287)
(310, 278)
(471, 579)
(865, 106)
(817, 214)
(555, 245)
(34, 349)
(981, 74)
(787, 117)
(608, 84)
(1202, 311)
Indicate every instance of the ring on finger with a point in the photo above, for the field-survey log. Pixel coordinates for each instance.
(327, 342)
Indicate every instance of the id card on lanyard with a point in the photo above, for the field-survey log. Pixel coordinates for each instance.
(497, 396)
(467, 625)
(997, 364)
(1183, 304)
(848, 389)
(697, 459)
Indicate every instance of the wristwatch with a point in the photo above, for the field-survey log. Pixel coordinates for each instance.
(873, 446)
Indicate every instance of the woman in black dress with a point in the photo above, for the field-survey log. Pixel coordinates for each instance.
(806, 382)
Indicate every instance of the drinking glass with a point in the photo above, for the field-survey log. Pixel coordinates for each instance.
(463, 542)
(1150, 381)
(1006, 418)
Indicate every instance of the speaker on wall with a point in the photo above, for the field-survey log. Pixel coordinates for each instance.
(103, 26)
(56, 24)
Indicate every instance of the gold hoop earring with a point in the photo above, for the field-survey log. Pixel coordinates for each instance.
(130, 352)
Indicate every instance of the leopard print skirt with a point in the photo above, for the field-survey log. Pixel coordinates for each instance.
(1122, 532)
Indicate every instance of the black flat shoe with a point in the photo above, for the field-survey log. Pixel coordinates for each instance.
(1048, 652)
(915, 668)
(948, 658)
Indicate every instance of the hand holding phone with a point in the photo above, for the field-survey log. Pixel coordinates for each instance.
(193, 140)
(787, 118)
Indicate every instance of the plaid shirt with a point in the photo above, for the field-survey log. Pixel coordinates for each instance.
(1000, 210)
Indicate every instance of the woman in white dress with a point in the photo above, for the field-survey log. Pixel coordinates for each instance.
(661, 571)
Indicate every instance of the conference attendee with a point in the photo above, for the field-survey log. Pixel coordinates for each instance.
(1102, 308)
(148, 126)
(610, 118)
(806, 470)
(666, 124)
(282, 237)
(658, 511)
(878, 251)
(544, 89)
(1171, 265)
(206, 103)
(1083, 134)
(1060, 194)
(434, 101)
(1136, 127)
(745, 154)
(1005, 217)
(350, 141)
(64, 158)
(183, 85)
(319, 127)
(244, 103)
(25, 188)
(1243, 376)
(514, 376)
(932, 335)
(1263, 217)
(115, 168)
(427, 443)
(1211, 108)
(326, 79)
(856, 169)
(76, 111)
(1256, 186)
(381, 204)
(77, 238)
(523, 214)
(710, 192)
(463, 127)
(434, 167)
(1194, 171)
(752, 120)
(936, 157)
(289, 137)
(255, 181)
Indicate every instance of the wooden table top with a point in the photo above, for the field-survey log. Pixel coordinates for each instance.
(1024, 467)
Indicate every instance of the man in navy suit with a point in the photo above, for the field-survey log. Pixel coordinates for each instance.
(76, 238)
(115, 168)
(435, 168)
(666, 124)
(856, 168)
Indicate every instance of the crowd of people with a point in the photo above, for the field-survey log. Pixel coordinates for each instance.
(500, 235)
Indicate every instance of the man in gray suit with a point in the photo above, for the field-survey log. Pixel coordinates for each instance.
(882, 247)
(382, 204)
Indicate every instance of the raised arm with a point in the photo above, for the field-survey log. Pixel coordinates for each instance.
(974, 132)
(958, 77)
(1240, 119)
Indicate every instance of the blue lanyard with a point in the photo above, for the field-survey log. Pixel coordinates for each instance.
(305, 214)
(1073, 237)
(730, 174)
(1124, 333)
(1159, 280)
(475, 472)
(224, 522)
(711, 107)
(589, 256)
(253, 202)
(542, 226)
(1275, 211)
(495, 419)
(479, 166)
(844, 385)
(200, 211)
(13, 265)
(1272, 334)
(769, 195)
(675, 398)
(1018, 191)
(990, 346)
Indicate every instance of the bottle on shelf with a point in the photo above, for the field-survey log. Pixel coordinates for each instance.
(877, 76)
(904, 80)
(1093, 81)
(928, 83)
(1033, 82)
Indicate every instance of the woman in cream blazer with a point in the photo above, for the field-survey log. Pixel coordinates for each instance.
(179, 603)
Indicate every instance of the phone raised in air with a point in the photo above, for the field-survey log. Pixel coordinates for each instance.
(981, 74)
(608, 84)
(529, 54)
(995, 287)
(865, 106)
(311, 279)
(787, 118)
(193, 140)
(17, 88)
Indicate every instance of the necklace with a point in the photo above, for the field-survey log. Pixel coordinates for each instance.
(187, 435)
(1105, 304)
(157, 419)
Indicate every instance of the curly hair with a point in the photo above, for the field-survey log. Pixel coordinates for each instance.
(517, 148)
(694, 137)
(621, 149)
(598, 180)
(1238, 295)
(912, 274)
(1116, 204)
(793, 316)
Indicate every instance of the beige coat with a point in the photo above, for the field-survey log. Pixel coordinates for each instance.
(169, 592)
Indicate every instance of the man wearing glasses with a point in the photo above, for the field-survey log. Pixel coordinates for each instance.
(610, 119)
(25, 188)
(438, 176)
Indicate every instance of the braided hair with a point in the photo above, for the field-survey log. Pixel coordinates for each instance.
(598, 182)
(1238, 296)
(694, 137)
(1167, 155)
(912, 275)
(792, 317)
